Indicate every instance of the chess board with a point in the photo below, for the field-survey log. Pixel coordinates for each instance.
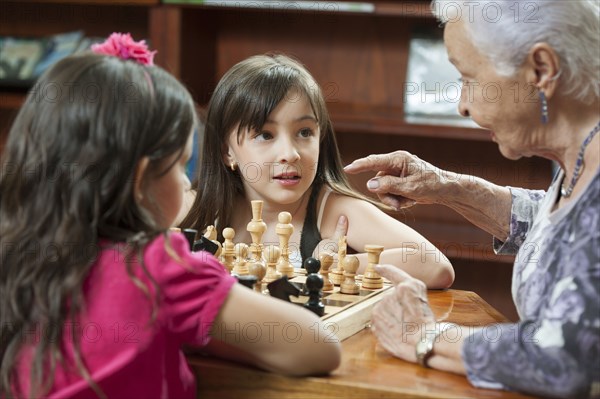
(345, 314)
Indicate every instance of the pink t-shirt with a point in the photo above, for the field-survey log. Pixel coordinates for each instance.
(126, 354)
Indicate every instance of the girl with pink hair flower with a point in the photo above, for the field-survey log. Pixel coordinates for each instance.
(97, 296)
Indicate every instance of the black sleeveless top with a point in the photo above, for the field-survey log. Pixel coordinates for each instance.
(310, 235)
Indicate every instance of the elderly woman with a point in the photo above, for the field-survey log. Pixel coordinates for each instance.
(545, 57)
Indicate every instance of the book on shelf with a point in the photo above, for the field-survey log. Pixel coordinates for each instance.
(432, 89)
(300, 5)
(19, 57)
(24, 59)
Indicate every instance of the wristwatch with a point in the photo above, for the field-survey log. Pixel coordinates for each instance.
(424, 348)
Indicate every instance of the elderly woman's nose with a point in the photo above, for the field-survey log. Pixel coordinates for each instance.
(463, 105)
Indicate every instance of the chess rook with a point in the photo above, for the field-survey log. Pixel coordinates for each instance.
(371, 279)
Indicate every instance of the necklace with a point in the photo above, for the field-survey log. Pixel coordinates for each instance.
(579, 164)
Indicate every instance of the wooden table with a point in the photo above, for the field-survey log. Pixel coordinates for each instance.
(366, 371)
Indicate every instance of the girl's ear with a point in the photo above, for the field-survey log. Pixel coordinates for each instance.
(140, 171)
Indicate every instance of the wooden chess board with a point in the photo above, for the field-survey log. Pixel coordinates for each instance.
(345, 314)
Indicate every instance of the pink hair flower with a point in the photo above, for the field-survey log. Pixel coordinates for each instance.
(123, 46)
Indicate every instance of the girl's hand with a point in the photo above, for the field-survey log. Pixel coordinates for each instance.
(402, 318)
(330, 245)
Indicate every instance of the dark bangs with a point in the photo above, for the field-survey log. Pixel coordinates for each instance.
(257, 96)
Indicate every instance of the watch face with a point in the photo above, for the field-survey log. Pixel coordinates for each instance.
(423, 350)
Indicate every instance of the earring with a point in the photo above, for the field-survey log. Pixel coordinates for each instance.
(232, 166)
(544, 107)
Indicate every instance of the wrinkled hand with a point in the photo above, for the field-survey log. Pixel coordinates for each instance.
(403, 316)
(402, 179)
(330, 245)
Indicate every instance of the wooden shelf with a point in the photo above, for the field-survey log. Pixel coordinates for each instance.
(11, 101)
(343, 123)
(415, 9)
(348, 118)
(97, 2)
(410, 9)
(96, 18)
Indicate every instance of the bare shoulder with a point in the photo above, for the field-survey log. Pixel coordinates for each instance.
(353, 208)
(367, 224)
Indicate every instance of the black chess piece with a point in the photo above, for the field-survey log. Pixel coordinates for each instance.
(204, 244)
(247, 281)
(282, 288)
(311, 265)
(190, 236)
(314, 286)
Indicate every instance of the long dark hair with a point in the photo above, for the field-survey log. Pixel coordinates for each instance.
(67, 180)
(245, 97)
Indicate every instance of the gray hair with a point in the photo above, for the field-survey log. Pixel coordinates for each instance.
(505, 31)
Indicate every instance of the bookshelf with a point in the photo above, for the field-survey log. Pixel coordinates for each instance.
(358, 55)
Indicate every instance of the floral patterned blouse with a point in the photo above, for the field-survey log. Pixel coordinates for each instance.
(554, 350)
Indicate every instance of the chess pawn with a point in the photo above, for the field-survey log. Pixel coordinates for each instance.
(326, 262)
(256, 227)
(314, 286)
(272, 254)
(371, 279)
(211, 234)
(228, 248)
(239, 266)
(349, 285)
(284, 230)
(311, 265)
(258, 270)
(337, 274)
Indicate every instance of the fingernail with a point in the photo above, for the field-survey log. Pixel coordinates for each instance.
(349, 165)
(373, 184)
(342, 219)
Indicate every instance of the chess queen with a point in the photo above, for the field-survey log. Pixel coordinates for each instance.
(269, 137)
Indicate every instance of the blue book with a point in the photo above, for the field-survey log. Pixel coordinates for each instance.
(58, 47)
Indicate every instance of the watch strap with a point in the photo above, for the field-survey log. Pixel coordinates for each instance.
(424, 348)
